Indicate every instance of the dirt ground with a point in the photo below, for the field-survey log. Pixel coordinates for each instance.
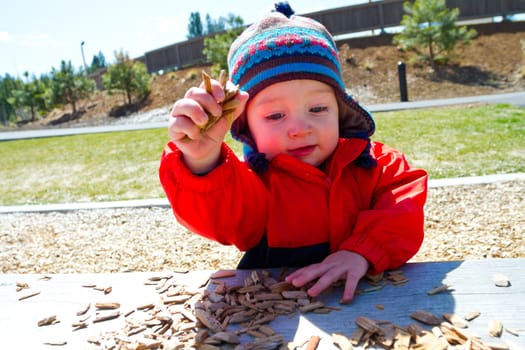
(494, 62)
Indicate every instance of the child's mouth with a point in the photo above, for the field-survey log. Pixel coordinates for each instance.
(301, 151)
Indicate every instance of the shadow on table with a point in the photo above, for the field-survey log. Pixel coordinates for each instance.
(391, 303)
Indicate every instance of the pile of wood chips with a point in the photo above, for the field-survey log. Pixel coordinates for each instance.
(212, 318)
(216, 316)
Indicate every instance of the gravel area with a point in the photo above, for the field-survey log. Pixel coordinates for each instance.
(462, 222)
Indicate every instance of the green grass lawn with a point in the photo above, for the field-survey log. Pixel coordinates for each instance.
(458, 142)
(447, 142)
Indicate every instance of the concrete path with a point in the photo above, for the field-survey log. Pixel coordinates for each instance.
(515, 98)
(163, 202)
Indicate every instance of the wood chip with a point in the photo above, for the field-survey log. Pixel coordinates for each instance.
(29, 295)
(402, 339)
(512, 331)
(107, 306)
(148, 306)
(368, 325)
(266, 330)
(313, 342)
(500, 280)
(83, 309)
(208, 320)
(341, 341)
(106, 317)
(455, 320)
(178, 299)
(453, 334)
(79, 325)
(227, 337)
(294, 294)
(48, 321)
(356, 336)
(55, 342)
(439, 289)
(472, 315)
(21, 285)
(311, 306)
(268, 296)
(425, 317)
(495, 328)
(396, 277)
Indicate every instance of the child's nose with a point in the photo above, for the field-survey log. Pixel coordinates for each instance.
(299, 128)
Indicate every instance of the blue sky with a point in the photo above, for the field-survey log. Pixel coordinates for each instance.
(36, 35)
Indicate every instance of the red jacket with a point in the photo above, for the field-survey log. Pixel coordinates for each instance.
(375, 212)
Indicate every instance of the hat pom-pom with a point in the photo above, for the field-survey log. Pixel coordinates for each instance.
(284, 8)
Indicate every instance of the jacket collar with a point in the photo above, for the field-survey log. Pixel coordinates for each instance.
(346, 152)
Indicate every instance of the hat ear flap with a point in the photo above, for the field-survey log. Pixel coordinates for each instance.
(255, 159)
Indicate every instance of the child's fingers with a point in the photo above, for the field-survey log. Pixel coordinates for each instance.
(329, 274)
(323, 272)
(190, 109)
(207, 101)
(218, 131)
(350, 287)
(304, 275)
(216, 90)
(180, 127)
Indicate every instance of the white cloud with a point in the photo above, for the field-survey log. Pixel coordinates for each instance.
(5, 37)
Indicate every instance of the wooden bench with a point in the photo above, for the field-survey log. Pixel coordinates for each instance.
(471, 288)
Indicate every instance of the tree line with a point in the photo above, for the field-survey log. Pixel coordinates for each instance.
(28, 98)
(429, 31)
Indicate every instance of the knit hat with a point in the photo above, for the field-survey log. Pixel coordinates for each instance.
(280, 47)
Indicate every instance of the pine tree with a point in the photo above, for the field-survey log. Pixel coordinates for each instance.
(195, 26)
(127, 76)
(69, 86)
(430, 30)
(99, 61)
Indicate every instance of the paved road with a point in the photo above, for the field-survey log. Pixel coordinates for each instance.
(516, 98)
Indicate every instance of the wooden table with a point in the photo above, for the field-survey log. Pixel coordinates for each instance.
(471, 282)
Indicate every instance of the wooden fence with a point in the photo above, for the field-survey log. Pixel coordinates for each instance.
(377, 15)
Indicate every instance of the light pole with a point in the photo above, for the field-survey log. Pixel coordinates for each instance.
(83, 58)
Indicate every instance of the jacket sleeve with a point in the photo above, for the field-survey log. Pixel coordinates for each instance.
(227, 205)
(391, 230)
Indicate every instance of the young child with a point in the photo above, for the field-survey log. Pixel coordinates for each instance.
(314, 192)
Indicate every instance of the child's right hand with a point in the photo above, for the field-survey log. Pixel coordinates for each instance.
(201, 150)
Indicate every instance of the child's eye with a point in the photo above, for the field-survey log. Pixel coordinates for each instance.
(275, 116)
(319, 109)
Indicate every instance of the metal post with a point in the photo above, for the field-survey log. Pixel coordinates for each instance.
(83, 58)
(401, 71)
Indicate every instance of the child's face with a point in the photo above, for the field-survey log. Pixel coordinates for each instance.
(297, 117)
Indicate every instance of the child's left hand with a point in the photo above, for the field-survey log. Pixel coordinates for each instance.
(341, 265)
